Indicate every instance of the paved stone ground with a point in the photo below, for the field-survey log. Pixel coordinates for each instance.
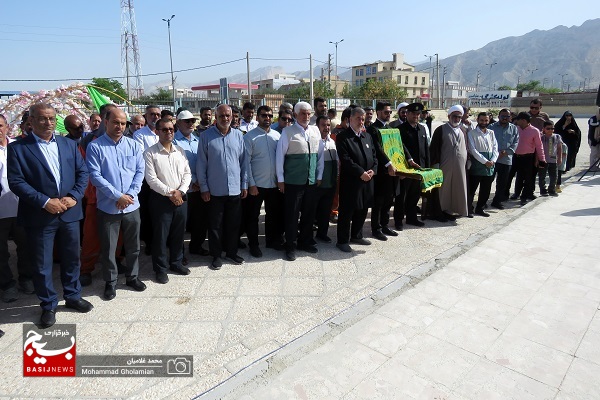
(231, 318)
(515, 317)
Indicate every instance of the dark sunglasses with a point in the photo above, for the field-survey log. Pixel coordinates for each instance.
(266, 115)
(286, 119)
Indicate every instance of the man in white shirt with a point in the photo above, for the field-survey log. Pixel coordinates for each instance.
(168, 175)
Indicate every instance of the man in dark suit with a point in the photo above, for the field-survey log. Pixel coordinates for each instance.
(387, 185)
(47, 173)
(358, 163)
(414, 139)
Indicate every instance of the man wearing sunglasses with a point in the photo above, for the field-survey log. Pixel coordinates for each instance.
(537, 116)
(285, 119)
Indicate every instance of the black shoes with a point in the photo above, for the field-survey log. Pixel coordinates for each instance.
(415, 222)
(234, 258)
(85, 279)
(498, 206)
(48, 318)
(274, 246)
(323, 238)
(181, 270)
(361, 241)
(110, 291)
(399, 227)
(441, 218)
(81, 305)
(162, 277)
(480, 212)
(199, 251)
(388, 231)
(255, 252)
(290, 255)
(216, 264)
(448, 216)
(379, 236)
(514, 197)
(345, 247)
(136, 284)
(241, 245)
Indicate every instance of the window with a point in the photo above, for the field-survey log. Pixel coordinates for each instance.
(399, 79)
(356, 72)
(368, 70)
(414, 92)
(406, 80)
(422, 80)
(416, 80)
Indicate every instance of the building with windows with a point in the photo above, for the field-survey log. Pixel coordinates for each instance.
(276, 82)
(416, 83)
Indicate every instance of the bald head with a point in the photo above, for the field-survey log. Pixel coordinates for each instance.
(74, 126)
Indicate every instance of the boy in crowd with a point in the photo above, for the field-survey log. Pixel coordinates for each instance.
(552, 144)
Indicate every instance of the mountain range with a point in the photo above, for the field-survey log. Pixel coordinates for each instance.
(573, 52)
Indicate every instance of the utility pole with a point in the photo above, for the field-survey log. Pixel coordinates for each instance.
(444, 85)
(336, 68)
(518, 81)
(312, 82)
(437, 67)
(430, 77)
(248, 73)
(168, 21)
(562, 82)
(491, 65)
(477, 82)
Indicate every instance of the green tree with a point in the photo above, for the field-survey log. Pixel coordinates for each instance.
(505, 87)
(161, 94)
(376, 89)
(112, 86)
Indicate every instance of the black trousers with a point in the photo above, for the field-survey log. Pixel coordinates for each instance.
(168, 222)
(197, 216)
(380, 212)
(502, 172)
(550, 170)
(476, 181)
(350, 223)
(399, 203)
(324, 200)
(145, 216)
(526, 173)
(273, 200)
(224, 224)
(299, 200)
(9, 226)
(511, 176)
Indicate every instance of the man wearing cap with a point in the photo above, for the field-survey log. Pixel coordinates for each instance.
(449, 150)
(197, 213)
(530, 145)
(414, 139)
(299, 166)
(387, 185)
(402, 113)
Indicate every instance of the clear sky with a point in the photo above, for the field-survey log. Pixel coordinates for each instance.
(72, 39)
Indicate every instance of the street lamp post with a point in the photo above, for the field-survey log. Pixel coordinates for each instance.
(168, 21)
(336, 70)
(491, 65)
(518, 81)
(430, 78)
(562, 82)
(477, 81)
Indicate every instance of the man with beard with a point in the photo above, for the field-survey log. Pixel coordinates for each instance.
(386, 183)
(358, 164)
(449, 150)
(484, 153)
(507, 137)
(320, 109)
(530, 145)
(205, 120)
(414, 139)
(402, 113)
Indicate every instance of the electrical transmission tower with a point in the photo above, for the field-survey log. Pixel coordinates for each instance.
(130, 53)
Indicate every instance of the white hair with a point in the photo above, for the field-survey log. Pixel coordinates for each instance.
(302, 105)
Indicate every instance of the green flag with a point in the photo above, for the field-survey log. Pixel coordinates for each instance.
(60, 124)
(97, 98)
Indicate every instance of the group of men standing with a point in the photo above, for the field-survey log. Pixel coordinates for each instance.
(153, 182)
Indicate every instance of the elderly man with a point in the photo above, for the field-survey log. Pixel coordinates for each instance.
(526, 163)
(168, 175)
(9, 204)
(116, 168)
(47, 173)
(222, 175)
(75, 128)
(483, 148)
(137, 122)
(146, 136)
(261, 144)
(449, 150)
(299, 163)
(358, 165)
(507, 137)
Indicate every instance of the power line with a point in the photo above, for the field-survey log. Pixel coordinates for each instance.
(119, 77)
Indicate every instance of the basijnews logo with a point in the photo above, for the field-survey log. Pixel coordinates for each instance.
(49, 352)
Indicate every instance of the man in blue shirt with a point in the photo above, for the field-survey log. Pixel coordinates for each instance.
(507, 137)
(261, 144)
(116, 168)
(221, 171)
(197, 218)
